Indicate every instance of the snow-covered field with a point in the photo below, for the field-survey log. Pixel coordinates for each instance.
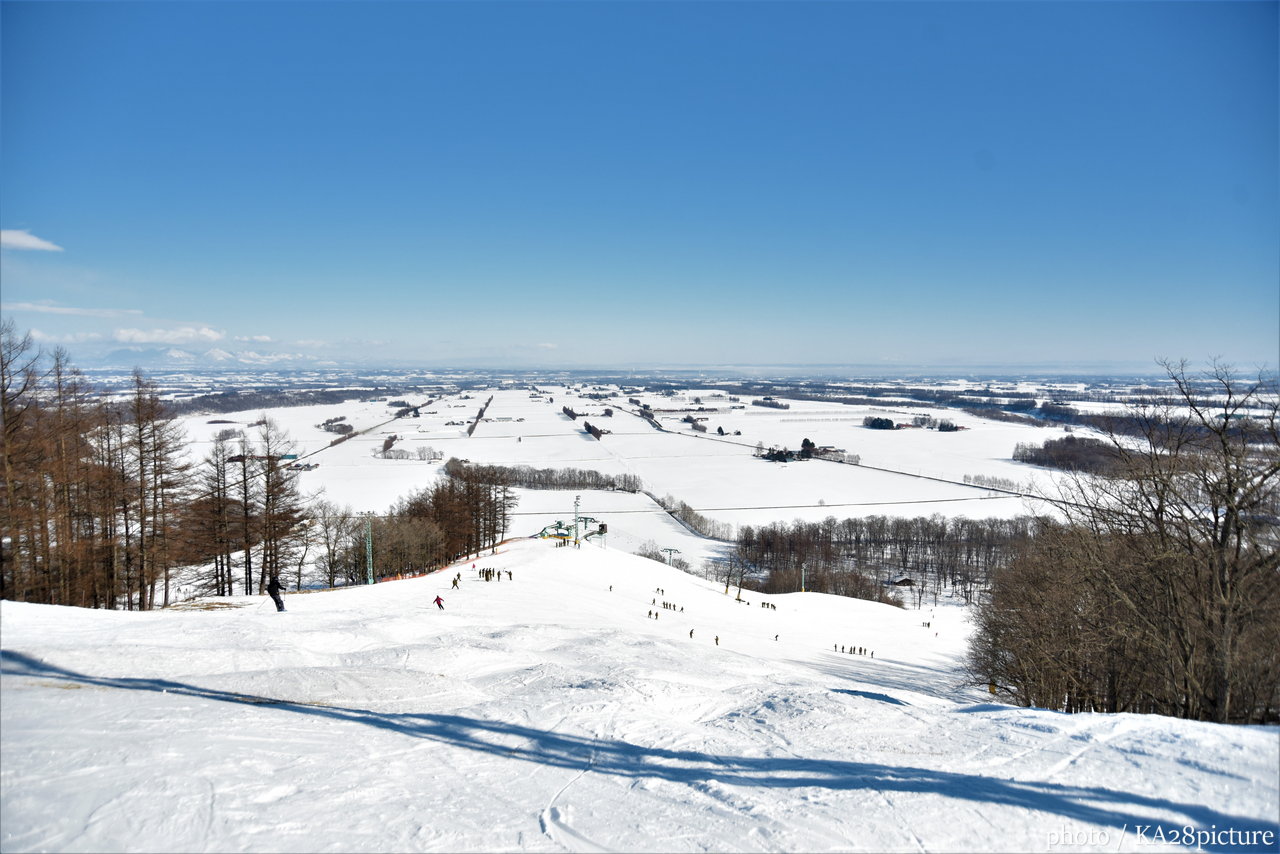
(910, 472)
(549, 712)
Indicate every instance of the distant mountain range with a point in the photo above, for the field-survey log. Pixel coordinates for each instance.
(177, 358)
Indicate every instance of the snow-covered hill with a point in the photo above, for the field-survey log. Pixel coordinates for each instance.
(549, 711)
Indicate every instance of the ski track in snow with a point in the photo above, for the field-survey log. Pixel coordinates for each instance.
(555, 822)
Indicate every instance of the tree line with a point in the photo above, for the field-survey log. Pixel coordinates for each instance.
(1158, 587)
(862, 557)
(1072, 453)
(694, 520)
(564, 478)
(101, 504)
(462, 513)
(465, 512)
(243, 400)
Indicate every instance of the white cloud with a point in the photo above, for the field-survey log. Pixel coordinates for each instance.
(181, 335)
(50, 308)
(548, 346)
(259, 339)
(72, 338)
(311, 342)
(20, 238)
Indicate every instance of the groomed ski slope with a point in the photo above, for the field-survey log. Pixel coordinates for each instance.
(546, 712)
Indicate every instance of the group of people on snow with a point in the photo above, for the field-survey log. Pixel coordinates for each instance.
(274, 587)
(853, 650)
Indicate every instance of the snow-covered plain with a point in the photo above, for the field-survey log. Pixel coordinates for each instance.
(912, 472)
(548, 712)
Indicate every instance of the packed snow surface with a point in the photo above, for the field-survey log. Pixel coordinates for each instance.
(549, 711)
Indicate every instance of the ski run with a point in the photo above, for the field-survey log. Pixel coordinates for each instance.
(548, 709)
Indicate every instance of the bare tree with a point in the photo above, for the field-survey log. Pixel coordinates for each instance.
(249, 501)
(282, 508)
(210, 518)
(336, 528)
(158, 474)
(20, 378)
(1173, 560)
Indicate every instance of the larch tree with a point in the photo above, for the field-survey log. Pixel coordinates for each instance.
(159, 475)
(20, 378)
(282, 507)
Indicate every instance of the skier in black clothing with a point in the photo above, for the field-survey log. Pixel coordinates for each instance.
(273, 590)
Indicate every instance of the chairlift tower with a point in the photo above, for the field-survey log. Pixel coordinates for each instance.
(368, 547)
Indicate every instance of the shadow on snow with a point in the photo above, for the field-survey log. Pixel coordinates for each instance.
(1092, 804)
(871, 695)
(894, 675)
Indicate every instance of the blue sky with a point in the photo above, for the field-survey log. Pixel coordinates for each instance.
(654, 183)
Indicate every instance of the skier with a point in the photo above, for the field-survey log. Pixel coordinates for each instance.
(455, 584)
(691, 634)
(717, 640)
(273, 590)
(439, 603)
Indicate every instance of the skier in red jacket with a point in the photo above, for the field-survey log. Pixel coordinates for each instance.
(439, 603)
